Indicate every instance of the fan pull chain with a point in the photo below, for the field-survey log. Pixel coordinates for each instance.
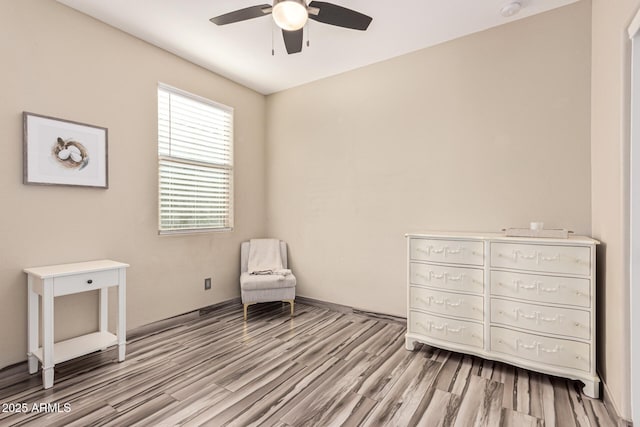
(273, 52)
(308, 33)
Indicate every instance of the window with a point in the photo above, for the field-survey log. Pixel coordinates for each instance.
(195, 163)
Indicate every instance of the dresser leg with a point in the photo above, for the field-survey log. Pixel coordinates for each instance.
(409, 343)
(47, 377)
(121, 352)
(591, 389)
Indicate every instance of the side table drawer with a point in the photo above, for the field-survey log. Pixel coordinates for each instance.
(65, 285)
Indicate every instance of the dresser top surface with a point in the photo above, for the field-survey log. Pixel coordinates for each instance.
(473, 235)
(75, 268)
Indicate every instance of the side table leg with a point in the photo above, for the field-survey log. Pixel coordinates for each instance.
(33, 320)
(104, 311)
(47, 333)
(33, 364)
(47, 377)
(122, 314)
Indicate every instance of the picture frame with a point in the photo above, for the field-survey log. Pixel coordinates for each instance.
(64, 152)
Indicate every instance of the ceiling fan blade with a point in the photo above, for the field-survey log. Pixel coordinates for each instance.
(339, 16)
(292, 40)
(242, 14)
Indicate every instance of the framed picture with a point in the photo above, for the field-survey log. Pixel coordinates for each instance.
(62, 152)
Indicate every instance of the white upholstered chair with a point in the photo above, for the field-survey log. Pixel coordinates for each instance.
(265, 287)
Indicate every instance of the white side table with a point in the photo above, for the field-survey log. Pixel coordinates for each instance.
(57, 280)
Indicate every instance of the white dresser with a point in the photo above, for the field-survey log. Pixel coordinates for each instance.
(529, 302)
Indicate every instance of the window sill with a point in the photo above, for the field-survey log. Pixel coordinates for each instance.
(194, 231)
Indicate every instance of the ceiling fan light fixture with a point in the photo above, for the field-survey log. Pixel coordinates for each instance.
(290, 15)
(510, 9)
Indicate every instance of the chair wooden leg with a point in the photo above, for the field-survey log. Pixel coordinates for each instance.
(245, 311)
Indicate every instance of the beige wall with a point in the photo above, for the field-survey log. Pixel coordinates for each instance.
(58, 62)
(481, 133)
(609, 159)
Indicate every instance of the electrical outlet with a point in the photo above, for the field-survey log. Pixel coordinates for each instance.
(207, 283)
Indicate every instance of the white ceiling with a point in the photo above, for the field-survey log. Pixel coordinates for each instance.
(242, 51)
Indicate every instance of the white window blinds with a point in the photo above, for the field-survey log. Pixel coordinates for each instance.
(195, 162)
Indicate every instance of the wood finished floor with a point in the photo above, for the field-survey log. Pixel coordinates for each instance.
(320, 368)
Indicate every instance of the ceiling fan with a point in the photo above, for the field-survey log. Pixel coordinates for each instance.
(291, 16)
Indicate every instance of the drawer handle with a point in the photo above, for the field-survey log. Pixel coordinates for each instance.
(550, 319)
(536, 316)
(454, 331)
(89, 281)
(556, 349)
(537, 347)
(430, 325)
(519, 313)
(442, 276)
(437, 328)
(426, 301)
(452, 251)
(445, 250)
(422, 326)
(518, 254)
(452, 304)
(526, 346)
(537, 256)
(517, 284)
(550, 290)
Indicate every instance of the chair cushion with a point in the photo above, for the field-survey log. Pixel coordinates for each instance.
(266, 281)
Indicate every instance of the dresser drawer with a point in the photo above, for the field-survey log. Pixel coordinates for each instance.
(540, 349)
(540, 318)
(64, 285)
(543, 258)
(532, 287)
(447, 251)
(447, 277)
(456, 331)
(461, 305)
